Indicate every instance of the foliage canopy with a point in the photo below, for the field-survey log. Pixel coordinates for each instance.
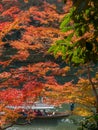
(81, 27)
(80, 45)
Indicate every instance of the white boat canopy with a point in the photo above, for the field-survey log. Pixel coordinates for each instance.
(36, 106)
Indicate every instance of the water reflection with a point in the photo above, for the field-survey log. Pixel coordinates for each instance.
(45, 122)
(63, 124)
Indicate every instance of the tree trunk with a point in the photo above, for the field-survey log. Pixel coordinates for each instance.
(93, 88)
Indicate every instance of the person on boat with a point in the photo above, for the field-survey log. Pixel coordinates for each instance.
(35, 112)
(24, 113)
(39, 113)
(44, 113)
(53, 113)
(72, 106)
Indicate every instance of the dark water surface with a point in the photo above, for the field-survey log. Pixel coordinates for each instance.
(61, 124)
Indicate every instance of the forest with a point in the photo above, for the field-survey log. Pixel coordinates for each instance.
(49, 49)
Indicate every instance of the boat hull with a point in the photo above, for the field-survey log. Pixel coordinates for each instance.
(54, 116)
(47, 119)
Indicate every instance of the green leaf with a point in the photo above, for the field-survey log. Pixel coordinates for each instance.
(87, 12)
(67, 18)
(57, 49)
(77, 60)
(65, 23)
(63, 50)
(52, 48)
(70, 37)
(59, 42)
(83, 29)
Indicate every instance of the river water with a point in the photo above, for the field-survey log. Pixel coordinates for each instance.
(63, 124)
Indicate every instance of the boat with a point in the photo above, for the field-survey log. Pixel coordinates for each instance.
(43, 120)
(43, 113)
(54, 115)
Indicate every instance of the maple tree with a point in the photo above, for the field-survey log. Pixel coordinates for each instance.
(27, 28)
(80, 48)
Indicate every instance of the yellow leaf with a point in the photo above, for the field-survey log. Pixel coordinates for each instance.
(82, 111)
